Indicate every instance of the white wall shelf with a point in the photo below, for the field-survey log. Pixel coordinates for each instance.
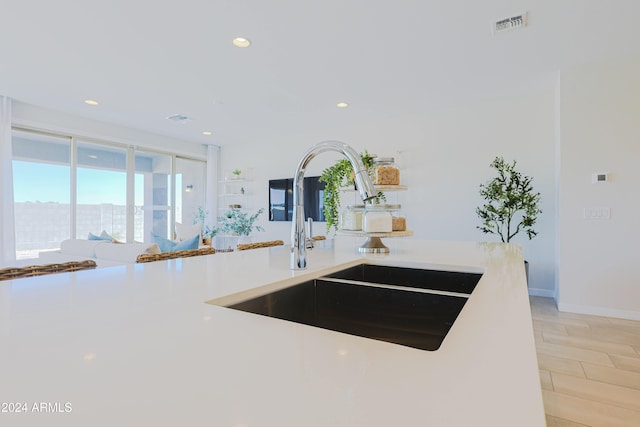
(374, 244)
(232, 192)
(383, 188)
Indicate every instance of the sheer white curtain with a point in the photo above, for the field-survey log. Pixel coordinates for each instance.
(7, 230)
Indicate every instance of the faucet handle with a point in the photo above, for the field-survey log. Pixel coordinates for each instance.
(309, 244)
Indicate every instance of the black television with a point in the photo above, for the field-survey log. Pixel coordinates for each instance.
(281, 199)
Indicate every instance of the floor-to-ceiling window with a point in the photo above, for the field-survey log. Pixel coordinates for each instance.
(101, 183)
(153, 190)
(67, 187)
(190, 190)
(42, 191)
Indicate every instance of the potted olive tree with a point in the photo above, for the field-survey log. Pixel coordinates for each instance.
(511, 205)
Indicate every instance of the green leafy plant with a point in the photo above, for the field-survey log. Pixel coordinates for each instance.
(239, 222)
(338, 176)
(511, 204)
(200, 216)
(236, 172)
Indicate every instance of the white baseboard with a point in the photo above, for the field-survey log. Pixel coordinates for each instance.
(548, 293)
(600, 311)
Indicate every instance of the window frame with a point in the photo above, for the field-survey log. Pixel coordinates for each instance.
(130, 150)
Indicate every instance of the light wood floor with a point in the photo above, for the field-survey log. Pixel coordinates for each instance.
(589, 367)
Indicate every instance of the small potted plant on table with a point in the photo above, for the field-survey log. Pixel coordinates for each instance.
(208, 232)
(237, 224)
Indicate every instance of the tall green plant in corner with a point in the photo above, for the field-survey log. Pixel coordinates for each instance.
(511, 205)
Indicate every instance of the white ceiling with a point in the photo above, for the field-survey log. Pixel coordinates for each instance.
(144, 60)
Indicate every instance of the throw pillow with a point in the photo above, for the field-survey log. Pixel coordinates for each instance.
(164, 244)
(106, 235)
(167, 245)
(188, 244)
(102, 236)
(185, 232)
(153, 249)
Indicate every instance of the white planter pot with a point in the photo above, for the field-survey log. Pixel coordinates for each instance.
(243, 240)
(226, 243)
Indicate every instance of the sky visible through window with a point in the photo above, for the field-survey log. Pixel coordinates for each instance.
(43, 182)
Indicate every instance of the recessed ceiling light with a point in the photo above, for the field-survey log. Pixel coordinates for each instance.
(342, 105)
(207, 132)
(241, 42)
(90, 102)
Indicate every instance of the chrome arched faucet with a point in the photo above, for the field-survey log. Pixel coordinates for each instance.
(298, 259)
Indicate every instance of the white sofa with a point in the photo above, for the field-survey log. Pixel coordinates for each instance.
(104, 253)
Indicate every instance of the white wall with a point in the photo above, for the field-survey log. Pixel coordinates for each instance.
(444, 155)
(589, 123)
(600, 132)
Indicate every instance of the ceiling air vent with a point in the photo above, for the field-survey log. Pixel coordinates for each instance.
(511, 23)
(179, 118)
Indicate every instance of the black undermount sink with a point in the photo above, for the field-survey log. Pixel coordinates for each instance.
(357, 301)
(450, 281)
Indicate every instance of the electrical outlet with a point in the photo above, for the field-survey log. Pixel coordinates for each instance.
(597, 213)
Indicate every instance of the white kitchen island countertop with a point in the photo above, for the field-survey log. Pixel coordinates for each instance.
(138, 345)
